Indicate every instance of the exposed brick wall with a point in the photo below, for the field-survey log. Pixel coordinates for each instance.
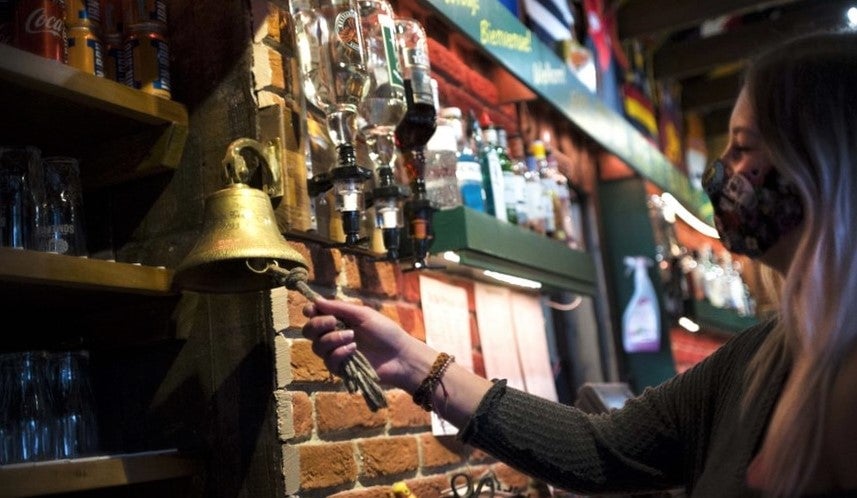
(344, 449)
(333, 445)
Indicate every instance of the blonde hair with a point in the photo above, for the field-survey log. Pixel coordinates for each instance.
(803, 96)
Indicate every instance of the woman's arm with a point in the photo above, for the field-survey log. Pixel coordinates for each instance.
(400, 359)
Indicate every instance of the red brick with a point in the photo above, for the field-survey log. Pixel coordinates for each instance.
(340, 411)
(301, 414)
(404, 412)
(386, 456)
(409, 286)
(379, 278)
(510, 477)
(296, 302)
(326, 465)
(477, 455)
(351, 270)
(327, 264)
(373, 492)
(438, 452)
(391, 311)
(411, 319)
(306, 366)
(430, 486)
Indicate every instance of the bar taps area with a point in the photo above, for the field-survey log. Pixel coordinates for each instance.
(233, 161)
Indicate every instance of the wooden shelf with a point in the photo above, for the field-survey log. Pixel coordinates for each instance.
(46, 270)
(65, 111)
(59, 476)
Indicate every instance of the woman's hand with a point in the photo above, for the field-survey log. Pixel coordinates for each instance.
(393, 353)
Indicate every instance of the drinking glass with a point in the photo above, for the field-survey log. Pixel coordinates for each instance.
(76, 431)
(30, 408)
(59, 221)
(20, 183)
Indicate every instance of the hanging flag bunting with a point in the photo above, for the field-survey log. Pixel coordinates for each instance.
(597, 33)
(669, 125)
(550, 20)
(637, 97)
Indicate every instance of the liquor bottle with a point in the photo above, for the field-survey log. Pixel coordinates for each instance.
(534, 193)
(441, 162)
(547, 178)
(513, 180)
(418, 125)
(491, 137)
(467, 169)
(415, 130)
(492, 173)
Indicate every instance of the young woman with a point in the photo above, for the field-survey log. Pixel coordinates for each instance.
(771, 412)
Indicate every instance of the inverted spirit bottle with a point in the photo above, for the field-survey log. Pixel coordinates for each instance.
(415, 130)
(381, 111)
(330, 44)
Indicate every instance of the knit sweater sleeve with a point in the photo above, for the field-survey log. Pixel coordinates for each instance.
(653, 442)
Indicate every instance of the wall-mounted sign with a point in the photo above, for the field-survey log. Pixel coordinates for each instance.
(504, 38)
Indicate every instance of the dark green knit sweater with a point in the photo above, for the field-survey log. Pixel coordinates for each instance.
(688, 432)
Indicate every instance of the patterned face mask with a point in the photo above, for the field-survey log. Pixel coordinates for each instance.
(751, 214)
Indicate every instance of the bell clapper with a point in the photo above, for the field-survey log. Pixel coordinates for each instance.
(357, 373)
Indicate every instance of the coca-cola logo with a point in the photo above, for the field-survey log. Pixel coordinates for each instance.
(38, 22)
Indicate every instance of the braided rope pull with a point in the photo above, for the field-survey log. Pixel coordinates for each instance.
(357, 373)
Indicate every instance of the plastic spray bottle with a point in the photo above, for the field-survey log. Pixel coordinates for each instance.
(641, 321)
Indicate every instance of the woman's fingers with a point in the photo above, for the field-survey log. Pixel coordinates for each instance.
(332, 340)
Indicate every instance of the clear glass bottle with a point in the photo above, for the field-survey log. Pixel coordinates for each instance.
(467, 169)
(441, 163)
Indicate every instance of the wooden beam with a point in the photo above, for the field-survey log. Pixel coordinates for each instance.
(639, 18)
(685, 59)
(706, 94)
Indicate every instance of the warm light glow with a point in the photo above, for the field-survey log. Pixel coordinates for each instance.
(511, 279)
(688, 324)
(452, 257)
(851, 15)
(688, 217)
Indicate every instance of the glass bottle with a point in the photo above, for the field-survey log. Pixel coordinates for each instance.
(513, 179)
(330, 45)
(415, 130)
(534, 192)
(467, 169)
(381, 111)
(441, 163)
(492, 173)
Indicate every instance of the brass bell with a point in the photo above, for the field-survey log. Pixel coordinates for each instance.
(239, 235)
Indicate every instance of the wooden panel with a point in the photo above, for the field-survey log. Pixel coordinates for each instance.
(638, 18)
(56, 476)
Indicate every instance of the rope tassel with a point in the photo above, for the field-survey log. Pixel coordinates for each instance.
(357, 373)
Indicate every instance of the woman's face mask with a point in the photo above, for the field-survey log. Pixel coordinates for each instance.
(751, 215)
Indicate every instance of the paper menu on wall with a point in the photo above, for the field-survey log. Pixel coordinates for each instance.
(497, 334)
(532, 345)
(447, 324)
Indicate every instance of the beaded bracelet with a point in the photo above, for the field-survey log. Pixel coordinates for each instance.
(424, 392)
